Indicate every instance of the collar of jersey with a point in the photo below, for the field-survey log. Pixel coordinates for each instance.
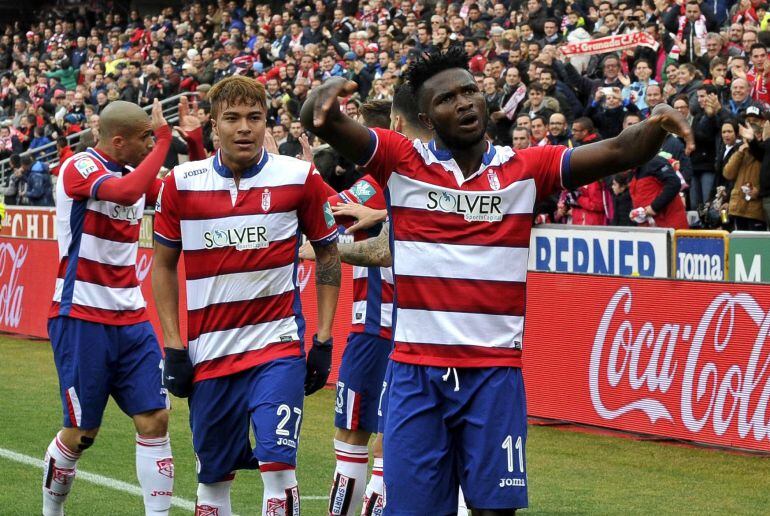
(446, 155)
(252, 171)
(106, 160)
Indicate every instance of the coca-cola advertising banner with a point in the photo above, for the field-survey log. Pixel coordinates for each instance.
(680, 359)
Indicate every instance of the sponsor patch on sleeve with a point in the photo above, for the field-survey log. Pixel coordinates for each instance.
(159, 199)
(328, 215)
(363, 191)
(86, 167)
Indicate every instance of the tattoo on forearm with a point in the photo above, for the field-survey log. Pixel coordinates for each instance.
(328, 267)
(372, 252)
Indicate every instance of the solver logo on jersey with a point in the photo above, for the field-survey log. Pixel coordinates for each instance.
(250, 237)
(86, 167)
(473, 207)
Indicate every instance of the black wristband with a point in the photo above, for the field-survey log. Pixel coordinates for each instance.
(322, 345)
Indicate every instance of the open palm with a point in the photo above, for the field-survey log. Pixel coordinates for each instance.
(188, 117)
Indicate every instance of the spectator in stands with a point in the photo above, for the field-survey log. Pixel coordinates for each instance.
(38, 190)
(584, 132)
(621, 201)
(521, 138)
(15, 182)
(607, 111)
(743, 169)
(558, 133)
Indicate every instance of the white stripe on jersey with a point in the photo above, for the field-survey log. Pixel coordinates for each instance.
(97, 296)
(360, 272)
(218, 344)
(517, 198)
(349, 407)
(240, 286)
(386, 313)
(107, 251)
(278, 171)
(437, 327)
(460, 261)
(281, 226)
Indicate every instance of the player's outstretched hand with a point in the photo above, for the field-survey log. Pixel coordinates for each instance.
(156, 116)
(366, 216)
(327, 95)
(177, 372)
(672, 121)
(188, 115)
(319, 365)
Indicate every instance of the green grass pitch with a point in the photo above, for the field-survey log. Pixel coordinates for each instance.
(569, 472)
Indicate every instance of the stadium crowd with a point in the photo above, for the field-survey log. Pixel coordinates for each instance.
(707, 59)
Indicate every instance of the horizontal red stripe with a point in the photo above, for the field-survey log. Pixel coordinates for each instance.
(359, 289)
(98, 315)
(102, 226)
(275, 466)
(228, 316)
(199, 205)
(90, 271)
(461, 295)
(438, 355)
(358, 460)
(377, 472)
(387, 292)
(386, 332)
(205, 263)
(62, 447)
(236, 363)
(438, 227)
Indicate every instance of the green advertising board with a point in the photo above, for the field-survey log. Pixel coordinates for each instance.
(750, 257)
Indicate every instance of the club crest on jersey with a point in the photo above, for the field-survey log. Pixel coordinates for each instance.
(85, 167)
(363, 191)
(328, 215)
(250, 237)
(494, 182)
(266, 200)
(473, 207)
(166, 467)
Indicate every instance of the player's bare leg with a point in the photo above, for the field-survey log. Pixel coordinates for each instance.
(352, 451)
(375, 490)
(60, 465)
(154, 463)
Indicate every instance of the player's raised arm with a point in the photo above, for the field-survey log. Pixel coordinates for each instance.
(321, 114)
(633, 147)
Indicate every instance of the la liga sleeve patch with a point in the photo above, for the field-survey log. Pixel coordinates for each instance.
(86, 167)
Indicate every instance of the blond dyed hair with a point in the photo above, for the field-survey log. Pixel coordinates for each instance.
(236, 90)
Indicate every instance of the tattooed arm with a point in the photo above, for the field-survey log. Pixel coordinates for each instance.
(372, 252)
(328, 275)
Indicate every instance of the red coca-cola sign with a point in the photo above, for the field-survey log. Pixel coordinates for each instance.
(680, 359)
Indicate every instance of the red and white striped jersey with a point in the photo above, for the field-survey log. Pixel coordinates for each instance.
(240, 248)
(98, 244)
(372, 286)
(460, 247)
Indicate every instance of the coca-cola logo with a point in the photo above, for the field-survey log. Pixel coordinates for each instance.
(304, 271)
(11, 292)
(143, 267)
(715, 372)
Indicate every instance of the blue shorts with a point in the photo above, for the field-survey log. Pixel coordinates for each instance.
(360, 382)
(445, 427)
(95, 361)
(383, 405)
(269, 397)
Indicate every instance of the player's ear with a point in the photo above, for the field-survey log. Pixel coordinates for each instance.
(425, 120)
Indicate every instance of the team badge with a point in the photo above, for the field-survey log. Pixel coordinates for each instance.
(86, 167)
(206, 510)
(166, 467)
(363, 191)
(328, 215)
(275, 507)
(266, 200)
(494, 182)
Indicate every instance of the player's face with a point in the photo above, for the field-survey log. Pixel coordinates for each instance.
(456, 109)
(137, 146)
(241, 132)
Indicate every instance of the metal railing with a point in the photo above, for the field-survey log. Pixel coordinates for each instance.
(49, 155)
